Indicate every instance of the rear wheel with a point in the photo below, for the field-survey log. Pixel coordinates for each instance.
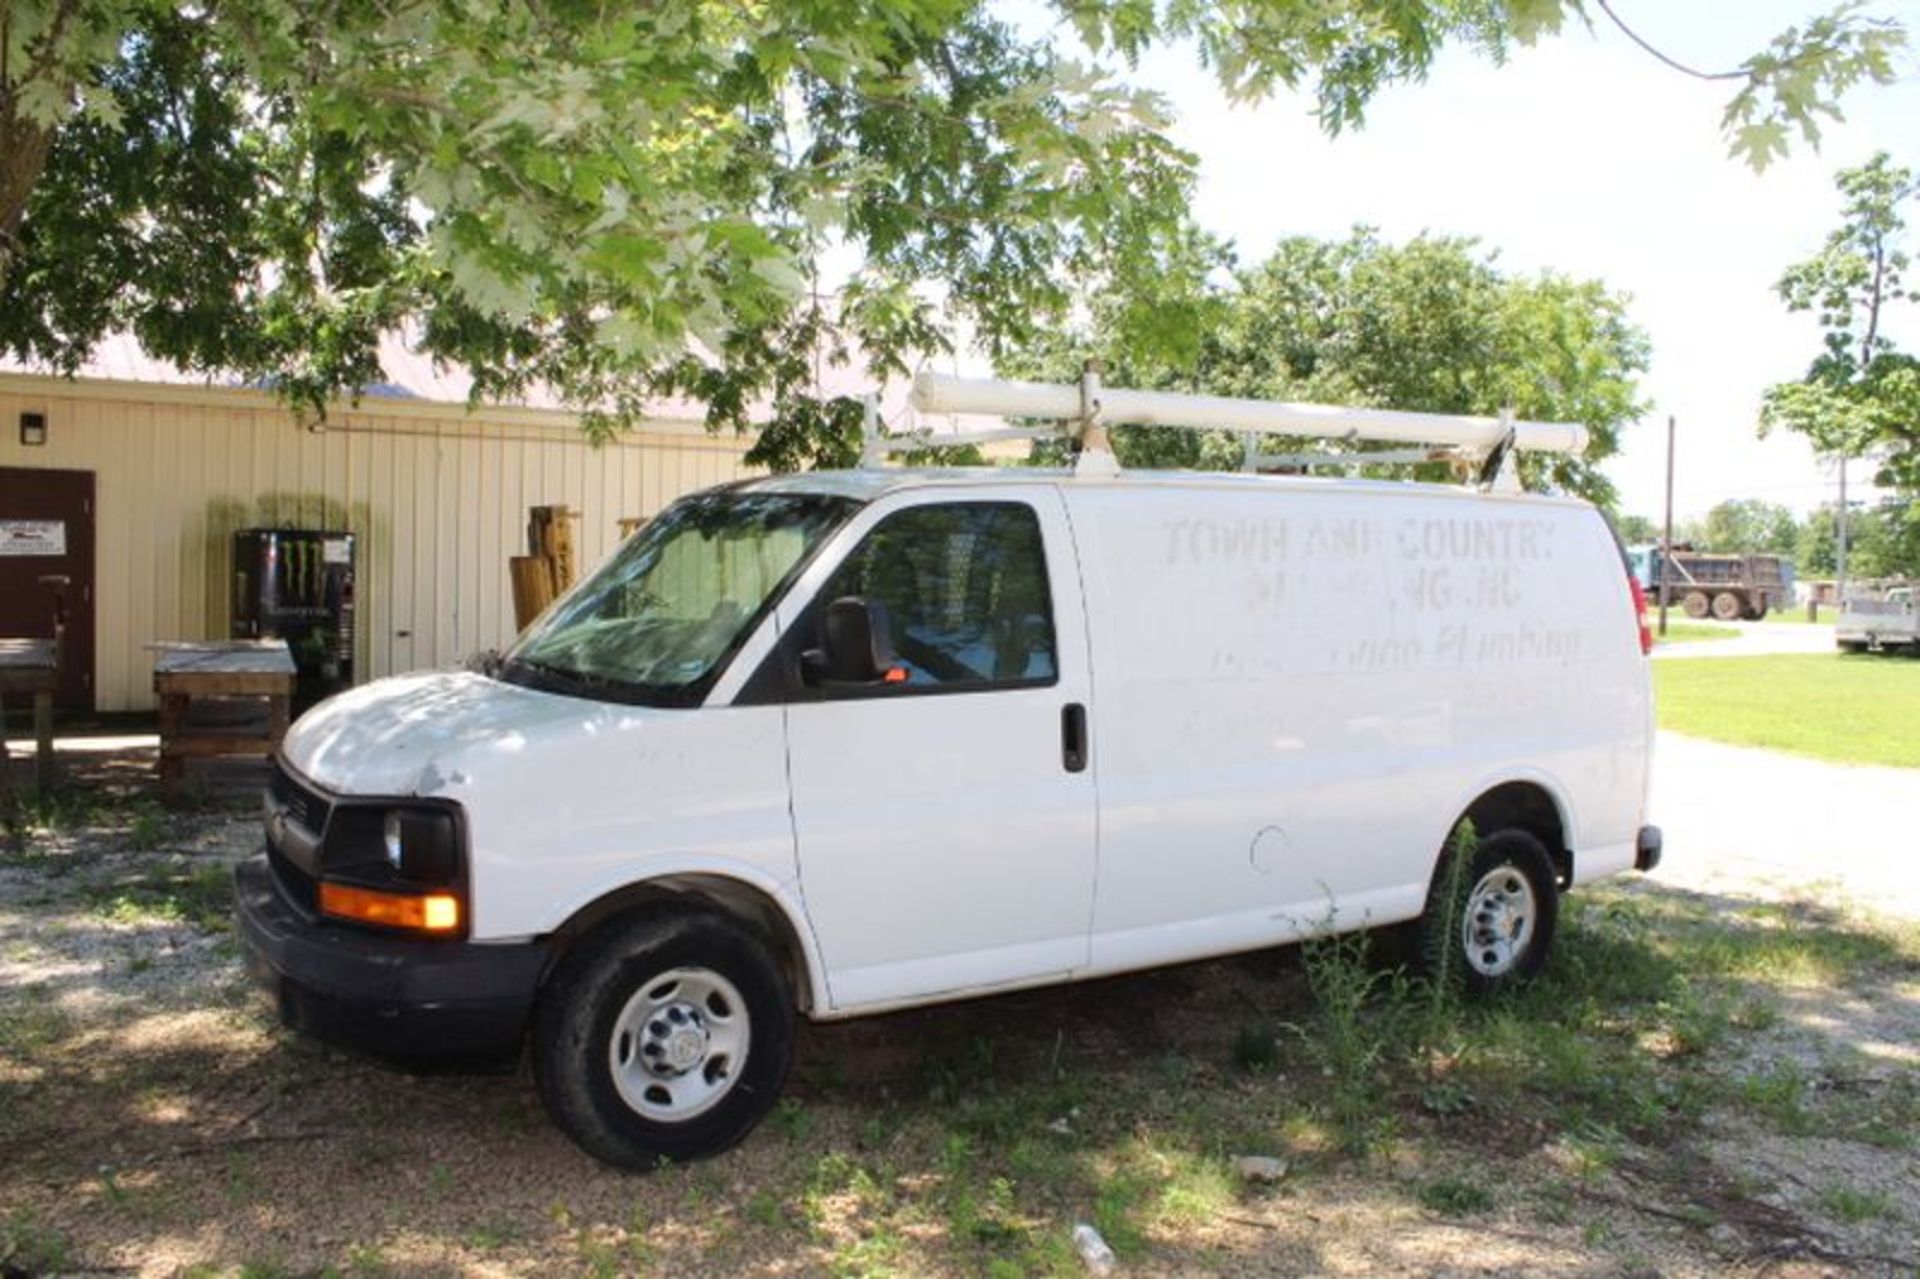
(1696, 604)
(663, 1037)
(1489, 925)
(1728, 607)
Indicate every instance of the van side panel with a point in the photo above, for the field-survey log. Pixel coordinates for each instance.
(1296, 692)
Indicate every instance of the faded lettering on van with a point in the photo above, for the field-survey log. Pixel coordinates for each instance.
(1484, 538)
(1342, 539)
(1207, 541)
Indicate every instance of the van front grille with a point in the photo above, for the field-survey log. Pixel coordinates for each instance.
(301, 803)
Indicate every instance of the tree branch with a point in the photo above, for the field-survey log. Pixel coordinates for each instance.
(1681, 67)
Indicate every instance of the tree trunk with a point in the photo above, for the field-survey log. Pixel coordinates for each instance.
(23, 154)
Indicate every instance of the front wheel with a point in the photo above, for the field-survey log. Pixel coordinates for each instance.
(663, 1036)
(1489, 924)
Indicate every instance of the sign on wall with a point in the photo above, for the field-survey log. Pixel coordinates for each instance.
(33, 537)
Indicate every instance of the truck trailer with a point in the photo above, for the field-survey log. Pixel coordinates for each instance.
(1729, 587)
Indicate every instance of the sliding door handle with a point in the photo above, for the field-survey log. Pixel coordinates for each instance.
(1073, 737)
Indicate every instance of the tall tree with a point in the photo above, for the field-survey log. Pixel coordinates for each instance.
(1860, 394)
(1637, 530)
(1432, 325)
(1749, 525)
(620, 201)
(1883, 541)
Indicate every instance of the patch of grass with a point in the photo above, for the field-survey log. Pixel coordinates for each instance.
(792, 1120)
(1844, 708)
(1844, 1203)
(148, 828)
(1256, 1046)
(1691, 632)
(1118, 1207)
(765, 1208)
(1360, 1022)
(197, 894)
(30, 1025)
(30, 1248)
(1779, 1095)
(492, 1234)
(1197, 1190)
(1454, 1196)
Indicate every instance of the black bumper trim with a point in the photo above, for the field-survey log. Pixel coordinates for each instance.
(388, 997)
(1647, 848)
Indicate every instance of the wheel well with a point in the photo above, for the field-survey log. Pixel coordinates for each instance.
(730, 897)
(1530, 808)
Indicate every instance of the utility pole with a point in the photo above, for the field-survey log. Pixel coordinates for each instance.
(1666, 538)
(1840, 541)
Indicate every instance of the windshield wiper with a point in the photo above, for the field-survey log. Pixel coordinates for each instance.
(569, 676)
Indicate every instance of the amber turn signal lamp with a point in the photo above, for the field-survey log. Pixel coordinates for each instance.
(431, 913)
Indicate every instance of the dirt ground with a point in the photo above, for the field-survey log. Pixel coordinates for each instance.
(1757, 1116)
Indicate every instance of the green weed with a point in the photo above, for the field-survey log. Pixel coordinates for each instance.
(1353, 1034)
(1780, 1095)
(30, 1248)
(200, 895)
(1256, 1046)
(1454, 1197)
(1844, 1203)
(792, 1120)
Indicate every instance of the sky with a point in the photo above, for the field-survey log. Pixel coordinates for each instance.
(1585, 156)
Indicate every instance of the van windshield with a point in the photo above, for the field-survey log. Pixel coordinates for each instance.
(658, 620)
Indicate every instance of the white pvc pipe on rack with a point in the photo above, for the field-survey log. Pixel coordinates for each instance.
(942, 393)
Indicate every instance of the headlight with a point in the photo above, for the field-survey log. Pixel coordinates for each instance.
(397, 867)
(421, 844)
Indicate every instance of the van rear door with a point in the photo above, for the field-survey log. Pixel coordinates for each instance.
(945, 827)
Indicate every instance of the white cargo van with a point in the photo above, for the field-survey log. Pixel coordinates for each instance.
(831, 744)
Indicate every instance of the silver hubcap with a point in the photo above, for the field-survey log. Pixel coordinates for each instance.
(1497, 928)
(679, 1044)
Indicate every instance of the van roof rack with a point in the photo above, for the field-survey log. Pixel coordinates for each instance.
(1082, 413)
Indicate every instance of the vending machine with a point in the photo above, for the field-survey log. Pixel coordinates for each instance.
(297, 585)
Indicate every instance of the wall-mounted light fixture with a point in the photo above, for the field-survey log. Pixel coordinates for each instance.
(33, 428)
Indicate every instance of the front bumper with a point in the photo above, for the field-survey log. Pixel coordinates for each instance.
(386, 996)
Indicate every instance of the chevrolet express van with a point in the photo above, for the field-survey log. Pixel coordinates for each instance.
(832, 744)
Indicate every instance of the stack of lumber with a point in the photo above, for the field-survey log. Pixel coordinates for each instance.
(547, 570)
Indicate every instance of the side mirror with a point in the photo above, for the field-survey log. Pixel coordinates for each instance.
(856, 645)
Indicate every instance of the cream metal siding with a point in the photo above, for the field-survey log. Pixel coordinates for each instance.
(438, 498)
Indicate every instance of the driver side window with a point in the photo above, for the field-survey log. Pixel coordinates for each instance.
(964, 585)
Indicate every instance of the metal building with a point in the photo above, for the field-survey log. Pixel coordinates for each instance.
(144, 483)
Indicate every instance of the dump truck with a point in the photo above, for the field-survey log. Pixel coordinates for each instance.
(1883, 620)
(1729, 587)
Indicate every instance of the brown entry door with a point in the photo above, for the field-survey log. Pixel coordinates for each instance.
(46, 534)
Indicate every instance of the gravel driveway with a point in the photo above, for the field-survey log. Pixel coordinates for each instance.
(1738, 819)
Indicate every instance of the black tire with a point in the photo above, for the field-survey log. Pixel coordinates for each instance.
(1696, 604)
(1851, 646)
(1729, 607)
(1507, 864)
(623, 969)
